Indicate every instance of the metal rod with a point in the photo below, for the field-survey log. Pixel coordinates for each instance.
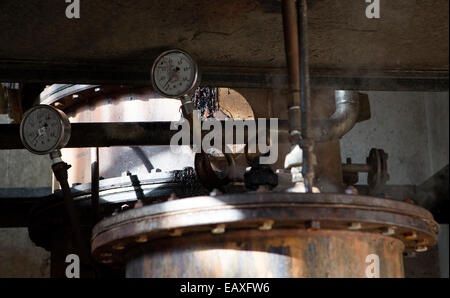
(95, 183)
(292, 61)
(356, 168)
(307, 143)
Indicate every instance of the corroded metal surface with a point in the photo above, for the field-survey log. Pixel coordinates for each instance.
(230, 32)
(328, 167)
(195, 222)
(260, 254)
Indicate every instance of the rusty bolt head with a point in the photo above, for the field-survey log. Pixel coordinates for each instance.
(118, 246)
(106, 254)
(389, 231)
(313, 225)
(219, 229)
(124, 207)
(411, 236)
(141, 239)
(176, 233)
(267, 225)
(355, 226)
(421, 248)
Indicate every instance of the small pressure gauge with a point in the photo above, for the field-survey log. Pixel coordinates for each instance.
(174, 74)
(44, 129)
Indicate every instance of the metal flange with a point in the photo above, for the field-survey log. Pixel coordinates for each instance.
(114, 236)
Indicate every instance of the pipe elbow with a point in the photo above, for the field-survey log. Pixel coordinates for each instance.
(342, 120)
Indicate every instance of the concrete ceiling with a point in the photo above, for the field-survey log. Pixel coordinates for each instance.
(410, 35)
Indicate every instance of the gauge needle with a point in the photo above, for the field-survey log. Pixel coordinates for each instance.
(41, 132)
(172, 74)
(168, 81)
(165, 85)
(35, 138)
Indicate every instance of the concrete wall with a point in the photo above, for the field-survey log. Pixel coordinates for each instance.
(436, 112)
(19, 257)
(412, 127)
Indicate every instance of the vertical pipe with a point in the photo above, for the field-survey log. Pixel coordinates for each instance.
(60, 170)
(305, 100)
(95, 183)
(292, 62)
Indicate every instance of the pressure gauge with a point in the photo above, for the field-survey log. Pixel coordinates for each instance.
(44, 129)
(174, 74)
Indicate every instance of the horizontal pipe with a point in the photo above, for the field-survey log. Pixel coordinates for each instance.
(116, 73)
(356, 168)
(343, 119)
(108, 134)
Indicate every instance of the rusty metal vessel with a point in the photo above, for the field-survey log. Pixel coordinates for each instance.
(264, 235)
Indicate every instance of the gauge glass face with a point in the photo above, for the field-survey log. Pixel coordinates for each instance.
(41, 129)
(174, 74)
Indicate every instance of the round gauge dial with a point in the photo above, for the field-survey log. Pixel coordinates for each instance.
(174, 74)
(44, 129)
